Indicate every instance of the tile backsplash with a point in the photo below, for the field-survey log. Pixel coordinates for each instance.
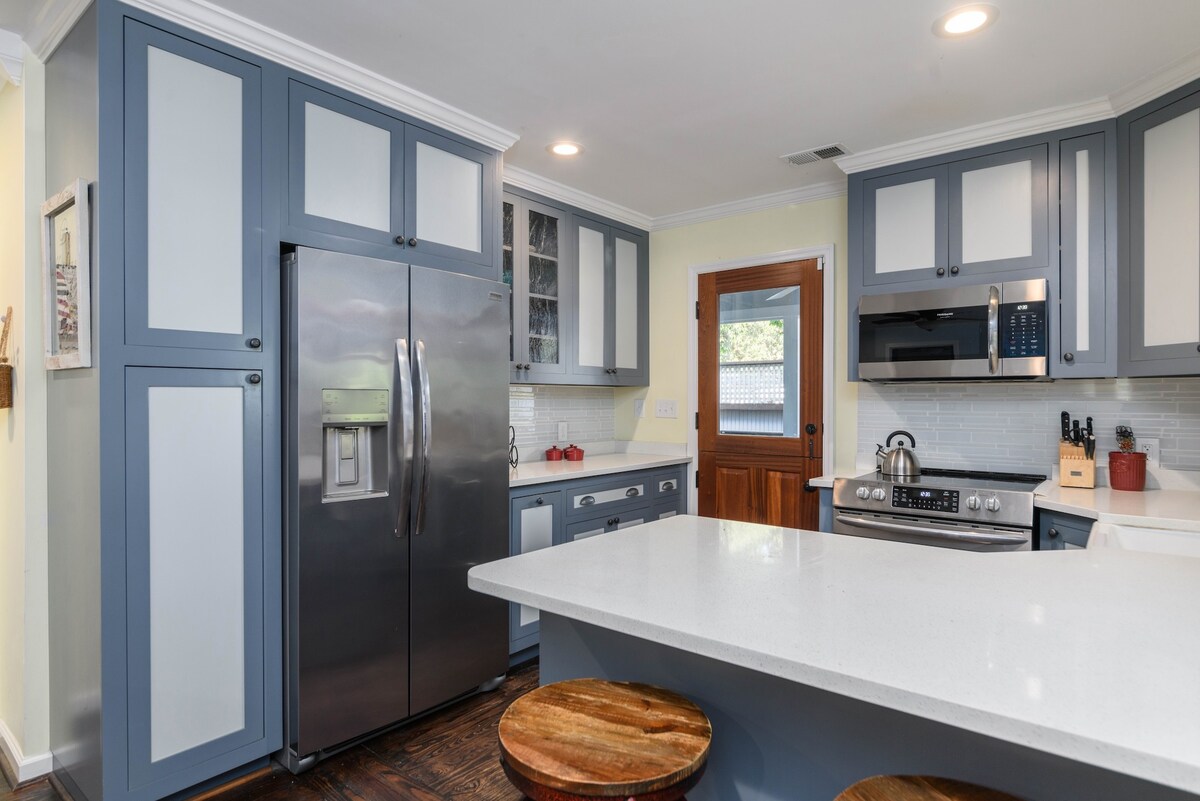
(536, 411)
(1016, 426)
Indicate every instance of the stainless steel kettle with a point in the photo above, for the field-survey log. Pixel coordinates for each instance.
(899, 462)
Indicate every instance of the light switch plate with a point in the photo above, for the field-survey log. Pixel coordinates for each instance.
(666, 408)
(562, 432)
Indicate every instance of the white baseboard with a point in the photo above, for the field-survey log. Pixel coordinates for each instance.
(27, 768)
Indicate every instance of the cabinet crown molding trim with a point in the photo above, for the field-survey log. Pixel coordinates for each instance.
(1156, 84)
(255, 38)
(12, 58)
(987, 133)
(788, 197)
(574, 197)
(52, 24)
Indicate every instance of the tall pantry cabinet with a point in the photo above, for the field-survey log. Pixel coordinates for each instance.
(165, 552)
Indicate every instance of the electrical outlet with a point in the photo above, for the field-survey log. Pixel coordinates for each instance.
(639, 408)
(666, 408)
(562, 432)
(1149, 447)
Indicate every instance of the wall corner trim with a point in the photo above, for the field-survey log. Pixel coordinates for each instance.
(256, 38)
(26, 768)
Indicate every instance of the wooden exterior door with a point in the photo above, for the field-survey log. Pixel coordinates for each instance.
(760, 393)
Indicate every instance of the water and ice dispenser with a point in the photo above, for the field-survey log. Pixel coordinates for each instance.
(354, 425)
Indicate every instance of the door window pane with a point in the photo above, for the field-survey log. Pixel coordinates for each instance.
(759, 362)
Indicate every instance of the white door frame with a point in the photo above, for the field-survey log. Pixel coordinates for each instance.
(827, 265)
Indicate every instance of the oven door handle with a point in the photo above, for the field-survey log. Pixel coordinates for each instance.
(993, 328)
(974, 537)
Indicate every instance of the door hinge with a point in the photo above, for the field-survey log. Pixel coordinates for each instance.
(697, 421)
(697, 310)
(697, 479)
(820, 264)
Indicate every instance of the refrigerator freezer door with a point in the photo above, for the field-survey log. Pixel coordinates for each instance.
(459, 638)
(348, 564)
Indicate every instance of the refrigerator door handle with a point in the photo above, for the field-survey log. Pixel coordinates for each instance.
(404, 447)
(421, 480)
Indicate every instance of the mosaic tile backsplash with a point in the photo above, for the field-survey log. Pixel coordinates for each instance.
(536, 411)
(1016, 426)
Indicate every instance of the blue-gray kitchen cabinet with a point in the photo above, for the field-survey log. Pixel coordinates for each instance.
(537, 263)
(611, 305)
(360, 175)
(1160, 238)
(1059, 531)
(535, 522)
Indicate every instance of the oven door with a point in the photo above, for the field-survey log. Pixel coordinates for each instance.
(942, 533)
(938, 334)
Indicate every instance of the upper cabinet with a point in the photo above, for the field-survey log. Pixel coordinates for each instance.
(193, 195)
(411, 194)
(1160, 298)
(612, 319)
(965, 218)
(535, 249)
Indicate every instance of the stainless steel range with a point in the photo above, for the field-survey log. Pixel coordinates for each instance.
(964, 509)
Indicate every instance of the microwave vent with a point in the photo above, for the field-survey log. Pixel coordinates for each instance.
(815, 154)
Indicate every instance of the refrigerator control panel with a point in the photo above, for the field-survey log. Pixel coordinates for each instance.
(345, 406)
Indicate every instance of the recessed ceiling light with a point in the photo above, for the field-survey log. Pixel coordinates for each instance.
(965, 19)
(565, 148)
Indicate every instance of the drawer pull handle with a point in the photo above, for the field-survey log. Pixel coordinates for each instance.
(587, 500)
(668, 486)
(632, 492)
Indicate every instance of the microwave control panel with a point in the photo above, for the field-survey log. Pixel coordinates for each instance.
(1023, 329)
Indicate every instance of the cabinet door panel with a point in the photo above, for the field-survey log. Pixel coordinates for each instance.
(630, 316)
(590, 294)
(1083, 239)
(193, 212)
(999, 211)
(195, 570)
(451, 189)
(904, 226)
(345, 168)
(535, 523)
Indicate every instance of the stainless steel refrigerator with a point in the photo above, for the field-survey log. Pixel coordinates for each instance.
(397, 484)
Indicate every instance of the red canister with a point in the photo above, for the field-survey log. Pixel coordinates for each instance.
(554, 454)
(573, 454)
(1127, 471)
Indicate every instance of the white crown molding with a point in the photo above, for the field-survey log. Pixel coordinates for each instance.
(566, 194)
(974, 135)
(221, 24)
(789, 197)
(52, 24)
(26, 768)
(1156, 84)
(12, 58)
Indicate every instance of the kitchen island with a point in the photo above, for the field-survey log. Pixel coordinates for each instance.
(824, 659)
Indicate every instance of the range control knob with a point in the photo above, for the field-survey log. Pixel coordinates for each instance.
(973, 502)
(878, 494)
(863, 492)
(992, 504)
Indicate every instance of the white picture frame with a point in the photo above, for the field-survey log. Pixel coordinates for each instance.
(66, 278)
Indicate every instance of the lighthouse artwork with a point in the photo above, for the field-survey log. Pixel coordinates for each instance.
(65, 278)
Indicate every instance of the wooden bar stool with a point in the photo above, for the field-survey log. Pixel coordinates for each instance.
(919, 788)
(586, 739)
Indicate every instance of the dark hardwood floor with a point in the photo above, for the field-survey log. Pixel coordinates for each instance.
(447, 756)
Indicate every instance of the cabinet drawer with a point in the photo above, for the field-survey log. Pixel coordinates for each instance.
(667, 484)
(590, 499)
(615, 522)
(665, 509)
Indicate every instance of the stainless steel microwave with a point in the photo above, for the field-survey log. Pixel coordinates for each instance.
(983, 331)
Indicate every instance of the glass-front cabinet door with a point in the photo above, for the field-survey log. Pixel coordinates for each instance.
(534, 252)
(193, 183)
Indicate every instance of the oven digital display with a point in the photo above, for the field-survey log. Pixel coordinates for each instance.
(925, 500)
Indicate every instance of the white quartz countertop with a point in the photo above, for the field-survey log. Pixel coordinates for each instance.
(1152, 508)
(603, 464)
(1093, 655)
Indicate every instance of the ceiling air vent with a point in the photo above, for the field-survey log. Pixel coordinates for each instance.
(815, 154)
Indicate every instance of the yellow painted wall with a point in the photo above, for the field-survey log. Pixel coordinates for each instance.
(673, 251)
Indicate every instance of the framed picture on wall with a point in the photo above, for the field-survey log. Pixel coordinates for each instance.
(66, 284)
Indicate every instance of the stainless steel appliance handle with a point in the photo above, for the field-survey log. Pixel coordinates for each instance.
(974, 537)
(421, 480)
(993, 324)
(404, 400)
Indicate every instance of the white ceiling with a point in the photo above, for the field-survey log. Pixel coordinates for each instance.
(683, 104)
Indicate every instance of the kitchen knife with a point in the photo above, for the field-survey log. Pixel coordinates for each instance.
(1089, 427)
(1066, 426)
(1076, 434)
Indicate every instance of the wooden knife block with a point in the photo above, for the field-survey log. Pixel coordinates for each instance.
(1074, 469)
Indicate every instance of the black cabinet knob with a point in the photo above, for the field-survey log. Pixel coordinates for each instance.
(400, 240)
(254, 378)
(941, 271)
(612, 521)
(1198, 347)
(539, 501)
(254, 342)
(954, 270)
(1053, 533)
(1068, 357)
(412, 241)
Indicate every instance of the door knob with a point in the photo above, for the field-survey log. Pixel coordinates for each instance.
(254, 342)
(810, 429)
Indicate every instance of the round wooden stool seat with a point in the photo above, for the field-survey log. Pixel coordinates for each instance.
(588, 738)
(919, 788)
